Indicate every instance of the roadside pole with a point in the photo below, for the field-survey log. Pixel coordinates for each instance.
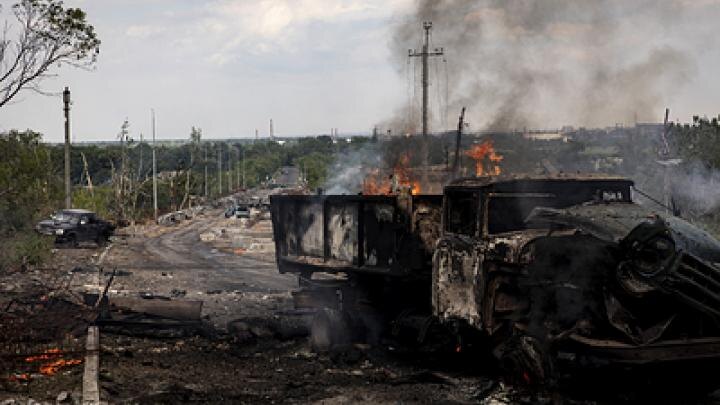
(68, 186)
(155, 202)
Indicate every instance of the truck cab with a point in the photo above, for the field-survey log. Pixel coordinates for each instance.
(484, 225)
(568, 270)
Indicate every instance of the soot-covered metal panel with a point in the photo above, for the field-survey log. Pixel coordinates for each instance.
(342, 231)
(379, 234)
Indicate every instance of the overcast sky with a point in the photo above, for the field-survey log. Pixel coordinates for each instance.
(228, 66)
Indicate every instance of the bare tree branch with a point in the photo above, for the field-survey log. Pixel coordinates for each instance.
(46, 35)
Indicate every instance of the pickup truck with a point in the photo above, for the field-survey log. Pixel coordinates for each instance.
(547, 273)
(74, 226)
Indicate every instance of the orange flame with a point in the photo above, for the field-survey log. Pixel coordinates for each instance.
(485, 152)
(376, 183)
(53, 361)
(21, 378)
(53, 367)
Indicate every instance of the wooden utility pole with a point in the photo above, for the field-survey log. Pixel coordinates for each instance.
(68, 186)
(140, 169)
(667, 161)
(243, 168)
(424, 54)
(154, 164)
(458, 140)
(220, 188)
(206, 169)
(237, 169)
(230, 169)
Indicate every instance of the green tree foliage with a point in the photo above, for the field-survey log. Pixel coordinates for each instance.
(28, 191)
(699, 141)
(314, 166)
(44, 35)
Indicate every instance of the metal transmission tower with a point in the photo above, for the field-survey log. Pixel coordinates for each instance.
(424, 54)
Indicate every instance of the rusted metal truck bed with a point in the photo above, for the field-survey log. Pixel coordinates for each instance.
(355, 234)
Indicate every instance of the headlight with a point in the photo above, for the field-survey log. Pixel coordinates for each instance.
(59, 231)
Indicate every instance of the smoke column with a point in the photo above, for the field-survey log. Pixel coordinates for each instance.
(524, 63)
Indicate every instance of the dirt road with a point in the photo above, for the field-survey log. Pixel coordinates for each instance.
(198, 265)
(258, 363)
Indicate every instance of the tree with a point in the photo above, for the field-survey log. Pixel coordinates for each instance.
(48, 35)
(28, 191)
(195, 139)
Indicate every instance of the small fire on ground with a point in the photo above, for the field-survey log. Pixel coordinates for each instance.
(52, 361)
(487, 160)
(379, 182)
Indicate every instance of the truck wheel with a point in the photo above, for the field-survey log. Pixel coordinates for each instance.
(101, 240)
(524, 360)
(329, 330)
(71, 241)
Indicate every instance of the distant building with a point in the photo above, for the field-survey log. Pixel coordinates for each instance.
(542, 135)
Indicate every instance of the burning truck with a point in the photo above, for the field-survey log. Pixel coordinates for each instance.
(548, 273)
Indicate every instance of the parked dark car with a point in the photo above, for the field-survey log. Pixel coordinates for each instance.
(74, 226)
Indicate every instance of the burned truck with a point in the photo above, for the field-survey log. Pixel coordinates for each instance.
(545, 272)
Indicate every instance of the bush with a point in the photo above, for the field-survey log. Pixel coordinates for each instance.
(25, 249)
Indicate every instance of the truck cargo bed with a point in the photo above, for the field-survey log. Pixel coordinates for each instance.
(355, 233)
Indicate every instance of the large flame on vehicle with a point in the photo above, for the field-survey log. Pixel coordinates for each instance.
(487, 160)
(378, 182)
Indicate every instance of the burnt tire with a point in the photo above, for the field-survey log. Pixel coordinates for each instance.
(329, 330)
(524, 360)
(71, 242)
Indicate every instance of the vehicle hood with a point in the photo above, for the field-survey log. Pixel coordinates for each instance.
(53, 224)
(614, 222)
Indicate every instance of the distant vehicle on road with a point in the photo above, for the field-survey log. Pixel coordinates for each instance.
(74, 226)
(238, 211)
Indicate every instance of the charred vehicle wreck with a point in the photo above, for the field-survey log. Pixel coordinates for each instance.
(547, 273)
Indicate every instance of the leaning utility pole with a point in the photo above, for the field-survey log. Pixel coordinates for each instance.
(154, 164)
(68, 186)
(458, 140)
(424, 55)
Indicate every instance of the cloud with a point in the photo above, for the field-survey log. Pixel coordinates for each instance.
(144, 31)
(279, 25)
